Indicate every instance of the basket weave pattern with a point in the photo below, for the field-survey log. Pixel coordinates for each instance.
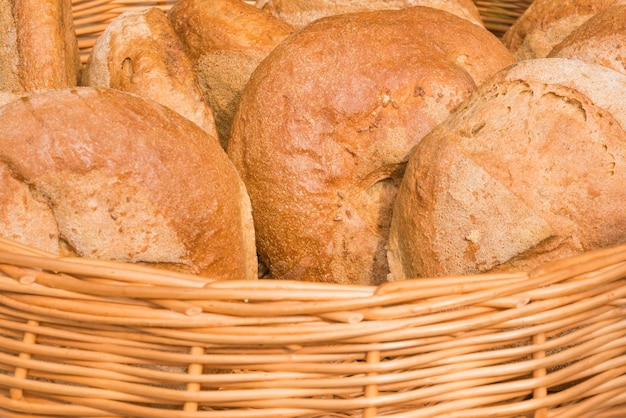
(84, 338)
(91, 339)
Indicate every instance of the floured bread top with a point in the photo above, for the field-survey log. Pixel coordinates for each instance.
(530, 168)
(302, 12)
(140, 53)
(545, 23)
(146, 186)
(325, 126)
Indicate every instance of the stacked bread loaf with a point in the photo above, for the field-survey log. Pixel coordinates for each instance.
(545, 23)
(124, 164)
(139, 52)
(345, 142)
(225, 40)
(529, 169)
(300, 13)
(326, 124)
(38, 45)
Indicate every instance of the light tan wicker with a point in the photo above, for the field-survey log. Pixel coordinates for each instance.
(97, 339)
(499, 15)
(84, 338)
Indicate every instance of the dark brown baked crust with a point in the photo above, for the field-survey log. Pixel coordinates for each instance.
(327, 121)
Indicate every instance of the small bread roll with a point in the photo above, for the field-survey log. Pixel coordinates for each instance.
(599, 40)
(326, 124)
(140, 53)
(226, 40)
(529, 169)
(110, 175)
(38, 45)
(300, 13)
(545, 23)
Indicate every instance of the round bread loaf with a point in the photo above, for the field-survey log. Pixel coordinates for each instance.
(226, 40)
(38, 45)
(600, 40)
(545, 23)
(140, 53)
(300, 13)
(6, 97)
(326, 123)
(530, 168)
(110, 175)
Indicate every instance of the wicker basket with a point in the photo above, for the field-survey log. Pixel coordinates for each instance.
(97, 339)
(85, 338)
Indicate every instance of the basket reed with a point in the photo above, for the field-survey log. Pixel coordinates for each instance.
(85, 338)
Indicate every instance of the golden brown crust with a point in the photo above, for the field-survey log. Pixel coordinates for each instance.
(208, 25)
(38, 45)
(140, 53)
(474, 200)
(145, 186)
(302, 12)
(226, 40)
(327, 121)
(599, 40)
(9, 62)
(24, 217)
(545, 23)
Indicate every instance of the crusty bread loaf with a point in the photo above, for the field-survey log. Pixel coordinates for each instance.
(38, 46)
(600, 40)
(140, 53)
(300, 13)
(226, 40)
(114, 176)
(6, 97)
(530, 168)
(327, 121)
(545, 23)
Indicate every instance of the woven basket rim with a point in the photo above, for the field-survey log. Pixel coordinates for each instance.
(126, 337)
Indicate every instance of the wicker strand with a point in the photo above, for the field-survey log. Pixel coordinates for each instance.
(22, 372)
(371, 391)
(195, 369)
(542, 391)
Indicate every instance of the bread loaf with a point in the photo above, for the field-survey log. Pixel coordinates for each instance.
(530, 168)
(545, 23)
(599, 40)
(6, 97)
(38, 46)
(226, 40)
(326, 123)
(140, 53)
(106, 174)
(300, 13)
